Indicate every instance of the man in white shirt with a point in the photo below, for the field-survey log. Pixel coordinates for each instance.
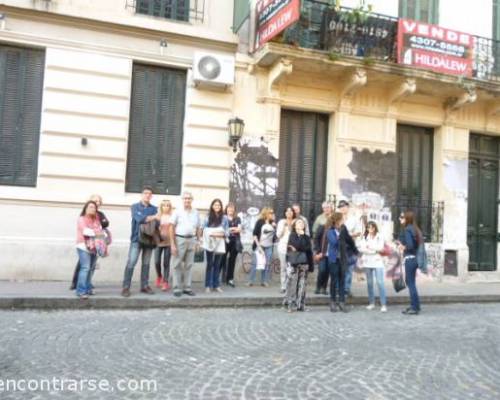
(185, 229)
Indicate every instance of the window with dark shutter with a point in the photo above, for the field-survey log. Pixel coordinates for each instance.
(420, 10)
(415, 155)
(170, 9)
(302, 161)
(21, 87)
(156, 129)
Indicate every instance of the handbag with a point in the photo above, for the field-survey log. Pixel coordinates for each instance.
(398, 281)
(297, 257)
(386, 251)
(261, 259)
(238, 245)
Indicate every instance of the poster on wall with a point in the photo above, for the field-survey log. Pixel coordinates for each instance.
(273, 17)
(435, 48)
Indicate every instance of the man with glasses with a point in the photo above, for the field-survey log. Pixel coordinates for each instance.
(185, 229)
(142, 213)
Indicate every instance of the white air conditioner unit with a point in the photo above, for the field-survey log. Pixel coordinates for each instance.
(213, 70)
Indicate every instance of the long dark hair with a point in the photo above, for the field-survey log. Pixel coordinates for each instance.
(371, 223)
(293, 212)
(409, 217)
(84, 210)
(215, 219)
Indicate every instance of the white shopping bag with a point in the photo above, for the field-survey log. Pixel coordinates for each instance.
(261, 259)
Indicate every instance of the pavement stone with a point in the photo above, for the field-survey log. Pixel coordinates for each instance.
(447, 352)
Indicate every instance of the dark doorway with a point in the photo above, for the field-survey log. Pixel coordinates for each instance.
(302, 161)
(482, 215)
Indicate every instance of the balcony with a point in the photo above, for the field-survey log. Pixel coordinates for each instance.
(372, 42)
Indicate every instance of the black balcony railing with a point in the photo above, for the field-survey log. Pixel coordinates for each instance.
(322, 27)
(429, 217)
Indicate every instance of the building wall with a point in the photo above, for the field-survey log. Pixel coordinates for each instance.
(87, 90)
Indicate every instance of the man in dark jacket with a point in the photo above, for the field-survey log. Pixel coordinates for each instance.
(348, 250)
(320, 249)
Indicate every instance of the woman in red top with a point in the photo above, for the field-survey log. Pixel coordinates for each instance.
(88, 228)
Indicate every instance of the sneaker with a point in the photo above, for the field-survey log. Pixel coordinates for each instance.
(370, 306)
(333, 306)
(126, 292)
(207, 290)
(219, 290)
(189, 292)
(249, 284)
(410, 311)
(265, 284)
(83, 296)
(231, 283)
(383, 309)
(165, 286)
(177, 293)
(283, 291)
(343, 307)
(158, 282)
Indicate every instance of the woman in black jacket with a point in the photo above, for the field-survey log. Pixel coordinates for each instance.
(104, 224)
(299, 262)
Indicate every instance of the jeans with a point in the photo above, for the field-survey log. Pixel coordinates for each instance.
(214, 262)
(379, 276)
(337, 279)
(411, 282)
(268, 251)
(230, 261)
(323, 274)
(133, 256)
(351, 263)
(87, 263)
(166, 262)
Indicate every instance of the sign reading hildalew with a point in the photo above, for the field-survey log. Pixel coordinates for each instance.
(435, 48)
(273, 16)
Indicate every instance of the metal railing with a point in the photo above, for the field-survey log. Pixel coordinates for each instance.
(322, 27)
(429, 217)
(170, 9)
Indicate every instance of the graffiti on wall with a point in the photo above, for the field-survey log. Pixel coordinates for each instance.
(253, 182)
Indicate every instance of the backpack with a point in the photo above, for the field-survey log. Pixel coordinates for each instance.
(421, 253)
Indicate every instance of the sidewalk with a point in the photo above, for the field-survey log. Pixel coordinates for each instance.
(56, 295)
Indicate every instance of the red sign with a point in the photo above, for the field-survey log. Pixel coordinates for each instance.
(435, 48)
(274, 16)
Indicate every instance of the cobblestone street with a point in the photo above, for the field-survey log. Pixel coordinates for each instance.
(448, 352)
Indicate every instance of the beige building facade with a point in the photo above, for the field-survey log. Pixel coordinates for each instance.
(319, 125)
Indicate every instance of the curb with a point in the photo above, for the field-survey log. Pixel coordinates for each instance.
(113, 303)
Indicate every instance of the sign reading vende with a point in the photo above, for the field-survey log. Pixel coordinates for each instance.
(435, 48)
(273, 16)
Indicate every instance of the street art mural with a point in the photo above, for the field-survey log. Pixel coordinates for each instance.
(254, 180)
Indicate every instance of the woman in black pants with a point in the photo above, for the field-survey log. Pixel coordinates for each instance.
(233, 246)
(97, 199)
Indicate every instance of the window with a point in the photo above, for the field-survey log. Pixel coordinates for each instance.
(156, 129)
(420, 10)
(170, 9)
(21, 87)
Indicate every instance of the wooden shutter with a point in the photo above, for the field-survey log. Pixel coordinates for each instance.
(156, 129)
(21, 88)
(420, 10)
(415, 156)
(302, 163)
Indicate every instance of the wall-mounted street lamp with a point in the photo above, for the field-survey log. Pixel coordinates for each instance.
(235, 128)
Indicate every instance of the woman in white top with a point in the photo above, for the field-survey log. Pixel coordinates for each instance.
(283, 233)
(371, 245)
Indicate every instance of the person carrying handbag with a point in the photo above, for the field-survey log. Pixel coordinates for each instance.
(299, 262)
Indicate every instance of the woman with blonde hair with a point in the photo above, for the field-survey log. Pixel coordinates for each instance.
(164, 245)
(262, 246)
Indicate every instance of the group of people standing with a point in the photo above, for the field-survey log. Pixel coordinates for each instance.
(175, 236)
